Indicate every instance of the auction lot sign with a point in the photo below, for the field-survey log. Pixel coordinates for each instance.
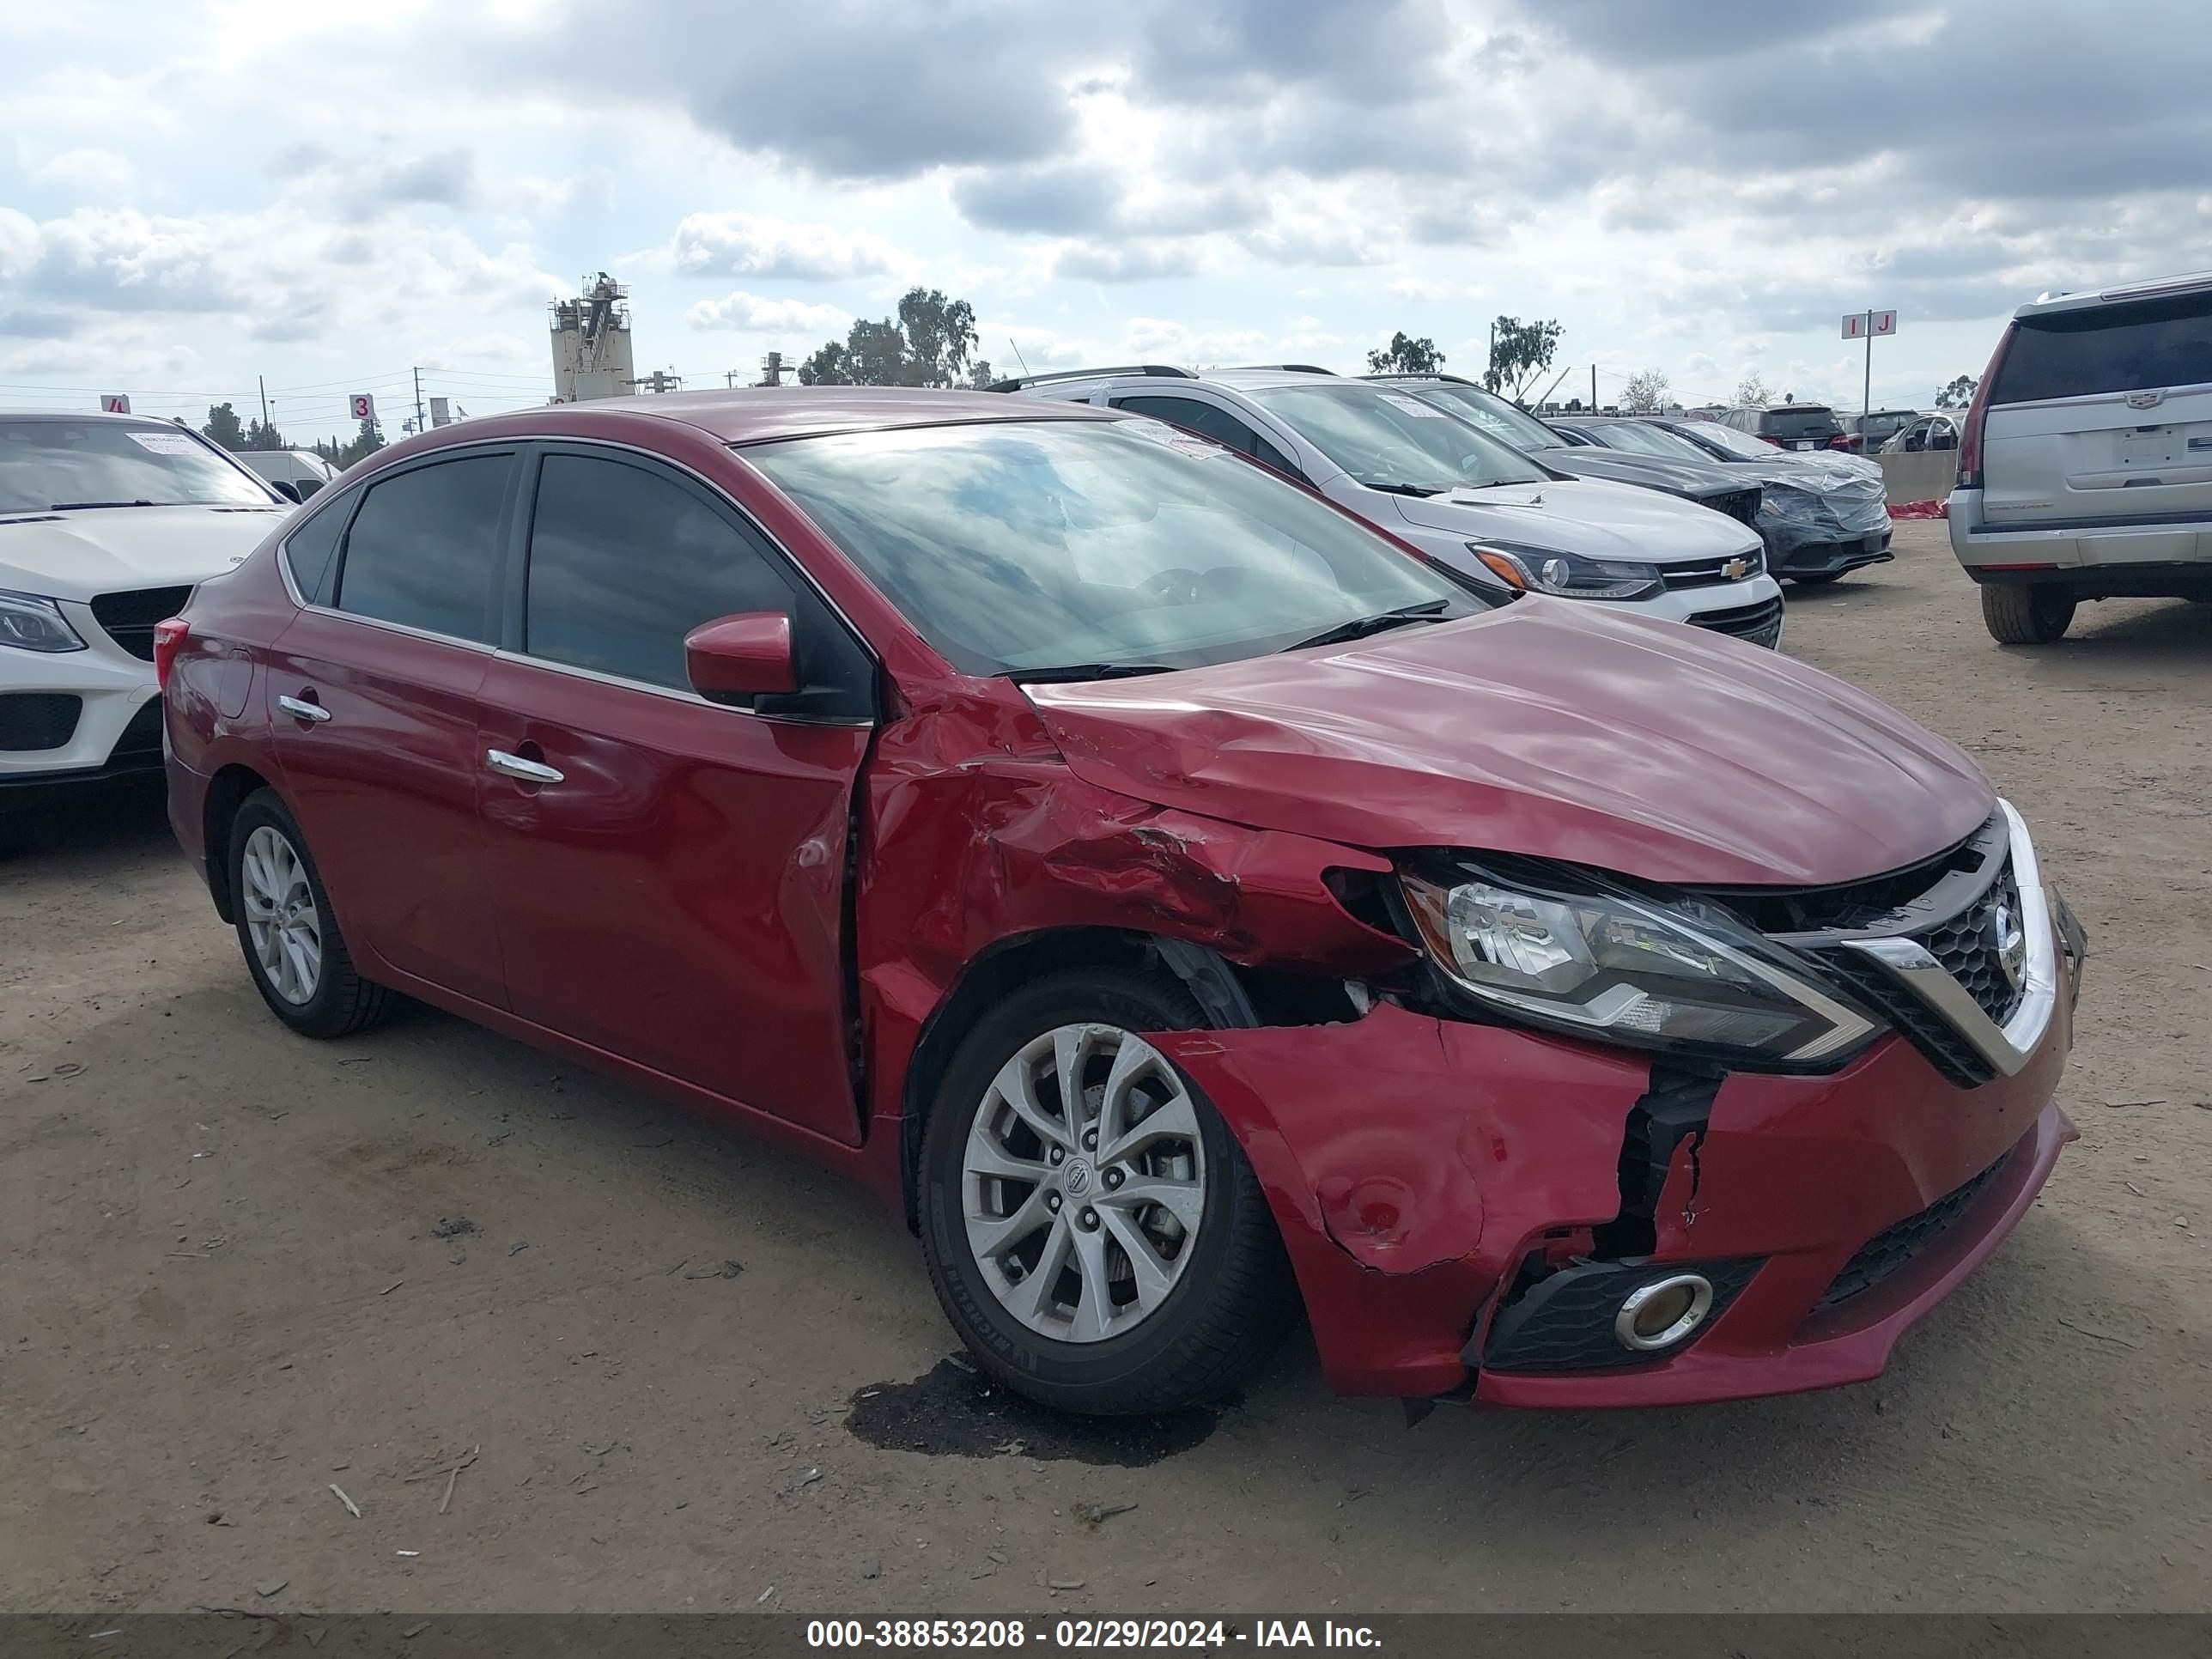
(270, 1633)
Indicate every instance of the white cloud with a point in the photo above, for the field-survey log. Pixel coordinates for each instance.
(101, 172)
(746, 244)
(749, 312)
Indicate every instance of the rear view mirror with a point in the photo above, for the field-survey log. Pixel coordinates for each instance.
(734, 659)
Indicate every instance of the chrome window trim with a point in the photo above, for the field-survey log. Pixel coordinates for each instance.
(674, 694)
(500, 653)
(2010, 1047)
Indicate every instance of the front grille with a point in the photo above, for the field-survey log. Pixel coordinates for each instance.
(1967, 947)
(32, 720)
(1760, 623)
(128, 616)
(1893, 1246)
(1712, 573)
(141, 738)
(1957, 1059)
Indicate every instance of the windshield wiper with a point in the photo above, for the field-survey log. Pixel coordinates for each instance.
(80, 506)
(1360, 627)
(1410, 490)
(1068, 673)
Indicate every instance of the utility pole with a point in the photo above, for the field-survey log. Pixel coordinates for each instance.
(1593, 388)
(420, 425)
(262, 380)
(730, 377)
(1490, 366)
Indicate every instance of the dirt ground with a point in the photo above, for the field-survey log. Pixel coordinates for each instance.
(239, 1269)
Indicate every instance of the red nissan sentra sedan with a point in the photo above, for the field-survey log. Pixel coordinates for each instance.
(1184, 905)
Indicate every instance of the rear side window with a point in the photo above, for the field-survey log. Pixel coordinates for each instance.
(2132, 347)
(1217, 424)
(623, 563)
(424, 549)
(312, 552)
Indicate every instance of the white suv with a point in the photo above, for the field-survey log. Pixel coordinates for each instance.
(2085, 463)
(106, 524)
(1482, 508)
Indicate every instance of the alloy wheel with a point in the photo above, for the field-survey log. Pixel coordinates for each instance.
(1083, 1182)
(281, 917)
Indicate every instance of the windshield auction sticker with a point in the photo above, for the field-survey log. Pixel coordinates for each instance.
(165, 443)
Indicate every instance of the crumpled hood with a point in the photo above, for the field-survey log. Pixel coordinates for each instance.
(1545, 727)
(74, 556)
(1822, 475)
(1598, 519)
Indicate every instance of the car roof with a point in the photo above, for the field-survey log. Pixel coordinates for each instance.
(763, 414)
(78, 416)
(2188, 282)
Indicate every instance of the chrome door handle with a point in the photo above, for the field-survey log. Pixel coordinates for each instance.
(301, 710)
(514, 765)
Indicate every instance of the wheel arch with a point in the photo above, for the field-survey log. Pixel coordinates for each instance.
(1219, 986)
(228, 790)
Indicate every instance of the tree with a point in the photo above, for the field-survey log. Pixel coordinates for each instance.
(980, 376)
(1646, 392)
(828, 366)
(1959, 393)
(1752, 392)
(1519, 352)
(1406, 355)
(223, 428)
(930, 344)
(366, 441)
(941, 333)
(262, 434)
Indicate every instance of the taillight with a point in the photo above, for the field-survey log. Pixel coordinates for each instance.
(1978, 411)
(169, 637)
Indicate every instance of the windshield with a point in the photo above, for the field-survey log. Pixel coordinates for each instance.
(1728, 438)
(48, 464)
(1643, 438)
(1390, 440)
(1883, 422)
(1491, 413)
(1030, 545)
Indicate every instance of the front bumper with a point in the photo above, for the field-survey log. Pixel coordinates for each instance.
(1415, 1165)
(73, 718)
(1750, 610)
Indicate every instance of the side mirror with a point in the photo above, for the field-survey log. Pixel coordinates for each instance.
(284, 487)
(307, 486)
(734, 659)
(1944, 440)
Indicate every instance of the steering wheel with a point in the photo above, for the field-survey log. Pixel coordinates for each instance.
(1178, 585)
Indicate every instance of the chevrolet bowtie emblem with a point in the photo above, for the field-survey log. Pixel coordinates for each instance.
(1737, 569)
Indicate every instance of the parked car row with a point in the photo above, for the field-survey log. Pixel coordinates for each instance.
(1188, 896)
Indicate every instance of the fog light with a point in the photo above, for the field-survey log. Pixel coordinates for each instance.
(1661, 1313)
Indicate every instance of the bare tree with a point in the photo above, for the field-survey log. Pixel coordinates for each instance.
(1646, 393)
(1752, 392)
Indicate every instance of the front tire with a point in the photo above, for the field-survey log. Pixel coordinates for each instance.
(1091, 1227)
(290, 938)
(2026, 613)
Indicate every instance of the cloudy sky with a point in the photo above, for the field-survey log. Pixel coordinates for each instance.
(330, 195)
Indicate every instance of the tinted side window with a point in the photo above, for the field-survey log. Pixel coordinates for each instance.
(2070, 354)
(312, 552)
(424, 548)
(1217, 424)
(624, 562)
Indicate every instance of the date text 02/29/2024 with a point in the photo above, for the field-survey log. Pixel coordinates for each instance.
(1003, 1634)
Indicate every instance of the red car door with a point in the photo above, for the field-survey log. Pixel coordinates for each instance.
(372, 705)
(670, 871)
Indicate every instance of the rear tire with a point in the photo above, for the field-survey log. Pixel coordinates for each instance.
(2026, 613)
(289, 936)
(1228, 1295)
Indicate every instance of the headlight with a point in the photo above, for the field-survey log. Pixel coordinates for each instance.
(31, 623)
(1569, 575)
(1616, 967)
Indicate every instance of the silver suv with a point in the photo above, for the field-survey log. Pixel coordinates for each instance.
(2085, 462)
(1477, 506)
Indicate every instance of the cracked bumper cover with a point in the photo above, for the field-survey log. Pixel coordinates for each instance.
(1413, 1163)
